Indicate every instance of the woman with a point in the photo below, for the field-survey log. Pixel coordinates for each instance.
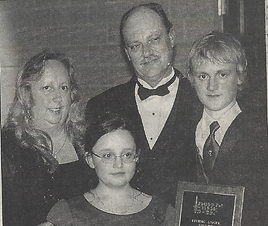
(112, 153)
(42, 145)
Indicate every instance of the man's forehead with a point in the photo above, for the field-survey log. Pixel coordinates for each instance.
(144, 23)
(143, 15)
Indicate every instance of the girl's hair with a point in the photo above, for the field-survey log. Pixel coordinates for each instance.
(218, 47)
(20, 116)
(104, 124)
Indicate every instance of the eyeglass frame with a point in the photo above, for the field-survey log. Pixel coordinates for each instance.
(136, 155)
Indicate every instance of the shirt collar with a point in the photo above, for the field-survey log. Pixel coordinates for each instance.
(224, 120)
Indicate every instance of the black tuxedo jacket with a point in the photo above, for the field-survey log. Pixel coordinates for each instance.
(173, 155)
(243, 161)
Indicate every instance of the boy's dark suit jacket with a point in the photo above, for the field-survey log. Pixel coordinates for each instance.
(173, 155)
(243, 161)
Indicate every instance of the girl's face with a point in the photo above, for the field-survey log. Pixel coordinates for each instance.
(114, 158)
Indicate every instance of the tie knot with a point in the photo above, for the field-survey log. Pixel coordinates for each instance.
(214, 126)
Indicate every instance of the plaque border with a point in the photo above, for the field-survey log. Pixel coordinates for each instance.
(237, 191)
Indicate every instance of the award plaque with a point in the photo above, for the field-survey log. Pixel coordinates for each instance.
(208, 205)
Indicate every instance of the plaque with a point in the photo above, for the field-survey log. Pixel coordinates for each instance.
(208, 205)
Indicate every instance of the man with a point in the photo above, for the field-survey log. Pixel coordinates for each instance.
(164, 130)
(231, 137)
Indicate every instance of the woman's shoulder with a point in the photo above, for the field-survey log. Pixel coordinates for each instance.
(10, 146)
(17, 158)
(8, 137)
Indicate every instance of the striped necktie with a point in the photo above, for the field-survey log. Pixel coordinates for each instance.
(211, 148)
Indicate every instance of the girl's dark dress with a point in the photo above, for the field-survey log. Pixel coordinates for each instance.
(79, 212)
(29, 191)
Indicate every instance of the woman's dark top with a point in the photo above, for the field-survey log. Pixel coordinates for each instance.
(29, 191)
(79, 212)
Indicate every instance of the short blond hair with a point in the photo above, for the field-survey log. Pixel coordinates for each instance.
(218, 47)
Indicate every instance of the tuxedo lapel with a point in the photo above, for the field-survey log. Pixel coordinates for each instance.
(181, 118)
(232, 135)
(132, 112)
(172, 158)
(168, 128)
(177, 121)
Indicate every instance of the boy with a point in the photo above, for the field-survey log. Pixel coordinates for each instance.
(231, 139)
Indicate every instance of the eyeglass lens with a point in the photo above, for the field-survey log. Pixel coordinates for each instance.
(111, 157)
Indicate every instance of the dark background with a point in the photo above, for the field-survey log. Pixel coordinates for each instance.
(246, 19)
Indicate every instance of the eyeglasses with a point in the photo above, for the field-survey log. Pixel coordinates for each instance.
(109, 158)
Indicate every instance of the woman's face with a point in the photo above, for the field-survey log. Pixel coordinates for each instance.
(116, 173)
(51, 96)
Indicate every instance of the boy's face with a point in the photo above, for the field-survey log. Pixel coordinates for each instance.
(216, 84)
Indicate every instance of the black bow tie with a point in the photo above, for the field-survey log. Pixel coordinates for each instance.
(159, 91)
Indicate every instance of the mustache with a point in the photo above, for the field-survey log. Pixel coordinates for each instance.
(149, 59)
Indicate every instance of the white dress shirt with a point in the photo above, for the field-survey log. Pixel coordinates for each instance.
(225, 120)
(155, 110)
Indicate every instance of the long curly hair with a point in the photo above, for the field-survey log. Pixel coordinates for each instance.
(20, 116)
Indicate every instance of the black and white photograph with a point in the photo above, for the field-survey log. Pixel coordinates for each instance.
(108, 106)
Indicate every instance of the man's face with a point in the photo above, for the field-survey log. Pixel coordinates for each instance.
(216, 84)
(148, 45)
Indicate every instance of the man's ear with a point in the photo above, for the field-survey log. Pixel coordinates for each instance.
(90, 161)
(171, 35)
(126, 51)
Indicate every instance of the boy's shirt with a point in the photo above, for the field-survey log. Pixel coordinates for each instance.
(225, 120)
